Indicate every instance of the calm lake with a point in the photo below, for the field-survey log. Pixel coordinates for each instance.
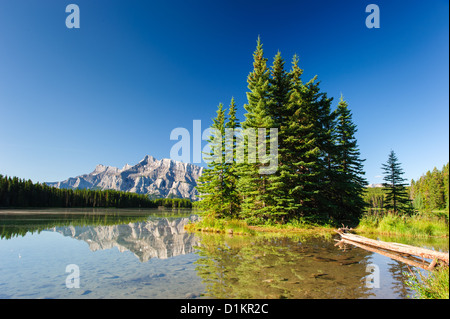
(119, 253)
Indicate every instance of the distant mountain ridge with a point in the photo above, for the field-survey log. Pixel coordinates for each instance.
(161, 178)
(375, 185)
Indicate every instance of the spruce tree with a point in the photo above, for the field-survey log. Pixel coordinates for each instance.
(252, 185)
(279, 94)
(302, 157)
(349, 183)
(396, 196)
(324, 131)
(282, 202)
(310, 134)
(233, 198)
(211, 184)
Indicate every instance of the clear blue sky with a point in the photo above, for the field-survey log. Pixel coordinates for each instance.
(113, 90)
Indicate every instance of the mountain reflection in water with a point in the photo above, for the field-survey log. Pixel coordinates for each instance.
(160, 236)
(36, 246)
(113, 249)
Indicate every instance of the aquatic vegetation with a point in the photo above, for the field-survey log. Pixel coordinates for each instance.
(433, 285)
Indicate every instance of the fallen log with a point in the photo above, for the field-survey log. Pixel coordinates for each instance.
(412, 261)
(399, 248)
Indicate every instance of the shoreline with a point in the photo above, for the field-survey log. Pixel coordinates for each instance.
(228, 227)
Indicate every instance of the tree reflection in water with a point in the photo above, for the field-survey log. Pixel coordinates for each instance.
(281, 267)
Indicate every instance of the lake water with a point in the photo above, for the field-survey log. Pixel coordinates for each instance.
(98, 253)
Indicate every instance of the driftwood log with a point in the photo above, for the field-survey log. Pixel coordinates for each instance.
(395, 250)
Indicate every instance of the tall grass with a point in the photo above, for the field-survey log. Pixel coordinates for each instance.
(211, 224)
(218, 225)
(418, 224)
(433, 285)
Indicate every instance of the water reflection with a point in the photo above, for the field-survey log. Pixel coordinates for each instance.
(240, 267)
(281, 268)
(398, 272)
(147, 236)
(35, 248)
(161, 238)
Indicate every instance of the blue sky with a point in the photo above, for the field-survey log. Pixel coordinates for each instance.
(111, 91)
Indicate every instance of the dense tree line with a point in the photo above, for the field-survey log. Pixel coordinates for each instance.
(173, 202)
(375, 198)
(15, 192)
(430, 191)
(16, 225)
(319, 171)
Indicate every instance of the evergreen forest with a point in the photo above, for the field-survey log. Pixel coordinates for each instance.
(16, 192)
(319, 173)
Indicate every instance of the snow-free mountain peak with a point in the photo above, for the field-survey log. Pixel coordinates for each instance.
(161, 178)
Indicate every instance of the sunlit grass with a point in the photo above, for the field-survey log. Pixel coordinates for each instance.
(417, 225)
(241, 227)
(216, 225)
(433, 285)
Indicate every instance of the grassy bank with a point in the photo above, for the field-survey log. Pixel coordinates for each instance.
(240, 227)
(214, 225)
(433, 284)
(302, 227)
(432, 224)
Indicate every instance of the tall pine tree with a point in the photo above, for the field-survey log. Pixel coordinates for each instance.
(233, 198)
(396, 196)
(301, 162)
(252, 185)
(349, 183)
(211, 184)
(282, 202)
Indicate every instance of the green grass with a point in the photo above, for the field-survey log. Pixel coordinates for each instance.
(216, 225)
(433, 285)
(240, 227)
(434, 224)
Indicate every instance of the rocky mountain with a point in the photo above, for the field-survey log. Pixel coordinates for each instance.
(159, 238)
(162, 178)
